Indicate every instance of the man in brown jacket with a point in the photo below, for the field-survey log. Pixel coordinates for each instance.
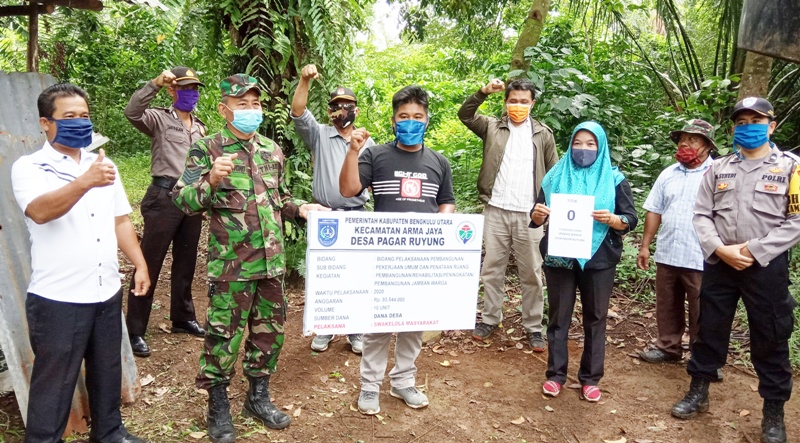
(517, 152)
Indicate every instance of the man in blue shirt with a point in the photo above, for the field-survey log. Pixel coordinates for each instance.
(679, 259)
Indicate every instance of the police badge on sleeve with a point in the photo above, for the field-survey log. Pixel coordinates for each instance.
(327, 231)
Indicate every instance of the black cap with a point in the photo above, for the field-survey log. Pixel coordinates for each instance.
(342, 93)
(756, 104)
(186, 76)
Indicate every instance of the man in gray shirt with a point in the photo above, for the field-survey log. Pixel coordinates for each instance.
(329, 145)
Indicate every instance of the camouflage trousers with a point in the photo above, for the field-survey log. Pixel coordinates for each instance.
(259, 306)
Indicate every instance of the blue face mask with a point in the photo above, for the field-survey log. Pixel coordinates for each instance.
(584, 157)
(409, 132)
(75, 133)
(751, 136)
(247, 120)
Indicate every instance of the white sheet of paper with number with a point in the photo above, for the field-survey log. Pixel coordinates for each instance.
(570, 228)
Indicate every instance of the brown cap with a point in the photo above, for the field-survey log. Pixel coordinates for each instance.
(186, 76)
(342, 93)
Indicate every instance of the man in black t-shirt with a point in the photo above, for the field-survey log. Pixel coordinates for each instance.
(405, 176)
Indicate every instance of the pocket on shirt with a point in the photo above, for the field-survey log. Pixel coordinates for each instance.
(232, 193)
(177, 138)
(271, 181)
(724, 197)
(770, 198)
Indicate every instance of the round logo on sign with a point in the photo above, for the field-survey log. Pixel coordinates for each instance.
(466, 232)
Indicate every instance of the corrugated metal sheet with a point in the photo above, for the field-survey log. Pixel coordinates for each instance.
(19, 135)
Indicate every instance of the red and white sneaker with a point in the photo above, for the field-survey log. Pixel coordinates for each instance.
(590, 393)
(551, 388)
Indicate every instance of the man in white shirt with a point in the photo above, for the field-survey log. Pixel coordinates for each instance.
(517, 152)
(77, 215)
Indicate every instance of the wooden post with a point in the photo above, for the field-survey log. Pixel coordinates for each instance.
(33, 37)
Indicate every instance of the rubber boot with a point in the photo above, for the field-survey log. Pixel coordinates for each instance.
(772, 428)
(696, 400)
(220, 423)
(259, 406)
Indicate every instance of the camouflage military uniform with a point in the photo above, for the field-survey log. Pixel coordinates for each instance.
(245, 251)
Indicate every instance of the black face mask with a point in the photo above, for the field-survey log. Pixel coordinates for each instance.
(343, 121)
(343, 117)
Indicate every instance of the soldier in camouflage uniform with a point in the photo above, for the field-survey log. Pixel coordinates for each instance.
(237, 176)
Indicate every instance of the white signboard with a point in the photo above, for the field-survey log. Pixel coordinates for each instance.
(389, 272)
(570, 228)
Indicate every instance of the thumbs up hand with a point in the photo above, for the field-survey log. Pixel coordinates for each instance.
(100, 173)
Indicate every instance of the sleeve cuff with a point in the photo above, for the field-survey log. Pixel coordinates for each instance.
(759, 252)
(710, 247)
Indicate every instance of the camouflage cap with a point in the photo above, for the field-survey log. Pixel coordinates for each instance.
(185, 76)
(238, 84)
(696, 126)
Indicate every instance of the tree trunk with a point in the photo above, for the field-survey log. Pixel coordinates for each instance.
(756, 75)
(529, 35)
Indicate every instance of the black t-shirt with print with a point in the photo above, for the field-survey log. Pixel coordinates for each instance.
(406, 181)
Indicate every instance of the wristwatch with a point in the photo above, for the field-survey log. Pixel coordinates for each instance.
(624, 219)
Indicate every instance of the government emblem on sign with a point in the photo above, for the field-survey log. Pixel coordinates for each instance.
(466, 232)
(328, 231)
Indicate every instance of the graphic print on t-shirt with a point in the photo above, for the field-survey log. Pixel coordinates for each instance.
(409, 186)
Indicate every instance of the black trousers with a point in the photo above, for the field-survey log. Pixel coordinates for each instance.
(62, 336)
(164, 223)
(595, 286)
(769, 305)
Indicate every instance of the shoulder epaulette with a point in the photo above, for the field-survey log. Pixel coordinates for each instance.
(791, 155)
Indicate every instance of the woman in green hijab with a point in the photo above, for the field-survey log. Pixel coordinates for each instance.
(585, 170)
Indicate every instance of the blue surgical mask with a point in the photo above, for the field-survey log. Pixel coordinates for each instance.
(75, 133)
(751, 136)
(584, 157)
(409, 132)
(247, 120)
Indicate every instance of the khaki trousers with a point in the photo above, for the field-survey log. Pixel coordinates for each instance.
(503, 232)
(376, 356)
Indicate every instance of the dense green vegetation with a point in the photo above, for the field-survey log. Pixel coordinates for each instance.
(640, 68)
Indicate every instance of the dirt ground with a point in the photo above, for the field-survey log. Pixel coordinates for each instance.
(478, 392)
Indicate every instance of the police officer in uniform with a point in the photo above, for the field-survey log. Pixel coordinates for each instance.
(747, 217)
(172, 131)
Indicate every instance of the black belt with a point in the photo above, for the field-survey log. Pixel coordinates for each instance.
(164, 182)
(349, 208)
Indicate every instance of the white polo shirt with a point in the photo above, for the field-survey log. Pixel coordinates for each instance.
(74, 257)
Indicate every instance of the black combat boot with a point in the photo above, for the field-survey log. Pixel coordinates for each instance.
(772, 428)
(220, 423)
(696, 400)
(259, 406)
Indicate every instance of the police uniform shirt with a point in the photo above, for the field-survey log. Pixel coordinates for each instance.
(74, 257)
(750, 201)
(170, 138)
